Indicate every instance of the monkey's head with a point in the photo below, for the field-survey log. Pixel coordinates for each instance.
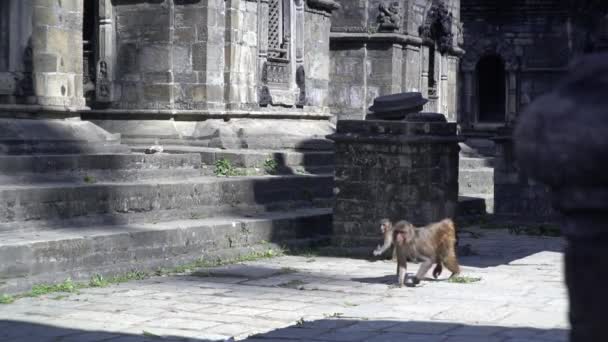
(385, 225)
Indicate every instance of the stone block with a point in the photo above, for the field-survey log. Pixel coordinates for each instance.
(158, 92)
(72, 5)
(45, 16)
(45, 62)
(57, 41)
(182, 59)
(184, 35)
(392, 169)
(154, 58)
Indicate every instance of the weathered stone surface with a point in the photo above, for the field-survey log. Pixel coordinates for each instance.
(392, 169)
(35, 256)
(313, 297)
(147, 199)
(23, 136)
(377, 49)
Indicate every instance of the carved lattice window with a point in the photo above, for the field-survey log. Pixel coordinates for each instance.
(278, 29)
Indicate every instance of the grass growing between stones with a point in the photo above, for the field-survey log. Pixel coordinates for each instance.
(223, 167)
(6, 299)
(96, 281)
(271, 166)
(463, 280)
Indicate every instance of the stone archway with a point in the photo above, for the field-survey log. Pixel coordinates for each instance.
(476, 52)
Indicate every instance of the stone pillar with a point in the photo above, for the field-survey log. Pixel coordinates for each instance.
(561, 140)
(16, 52)
(392, 169)
(57, 53)
(512, 91)
(106, 57)
(467, 116)
(312, 74)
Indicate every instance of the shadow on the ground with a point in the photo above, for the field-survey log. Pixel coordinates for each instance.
(331, 329)
(391, 279)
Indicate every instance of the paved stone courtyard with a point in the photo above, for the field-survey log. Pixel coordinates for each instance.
(520, 297)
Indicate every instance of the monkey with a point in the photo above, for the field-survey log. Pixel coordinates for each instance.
(433, 243)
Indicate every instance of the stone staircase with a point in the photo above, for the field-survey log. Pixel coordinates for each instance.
(82, 214)
(476, 178)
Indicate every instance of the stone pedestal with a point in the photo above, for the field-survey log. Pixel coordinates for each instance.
(392, 169)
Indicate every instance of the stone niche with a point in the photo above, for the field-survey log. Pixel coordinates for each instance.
(392, 169)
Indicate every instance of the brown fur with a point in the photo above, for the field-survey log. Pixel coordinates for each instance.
(433, 243)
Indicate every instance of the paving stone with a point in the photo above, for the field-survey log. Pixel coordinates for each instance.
(394, 336)
(345, 336)
(345, 299)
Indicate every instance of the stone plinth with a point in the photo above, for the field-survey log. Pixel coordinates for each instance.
(394, 169)
(516, 195)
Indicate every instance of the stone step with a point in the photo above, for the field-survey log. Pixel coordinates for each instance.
(478, 147)
(244, 158)
(476, 181)
(23, 136)
(159, 199)
(468, 163)
(472, 206)
(52, 255)
(90, 168)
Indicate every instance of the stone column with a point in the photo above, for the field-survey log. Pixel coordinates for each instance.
(392, 169)
(468, 113)
(511, 96)
(57, 53)
(561, 140)
(106, 58)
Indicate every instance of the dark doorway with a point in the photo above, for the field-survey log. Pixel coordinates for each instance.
(89, 42)
(491, 89)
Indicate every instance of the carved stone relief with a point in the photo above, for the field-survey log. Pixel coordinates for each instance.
(437, 26)
(488, 46)
(389, 19)
(264, 97)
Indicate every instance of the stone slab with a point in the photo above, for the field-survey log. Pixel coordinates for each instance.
(357, 302)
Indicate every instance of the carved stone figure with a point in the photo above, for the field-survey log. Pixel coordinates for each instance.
(264, 97)
(437, 26)
(389, 18)
(301, 82)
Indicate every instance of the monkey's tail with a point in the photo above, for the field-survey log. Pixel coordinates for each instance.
(450, 260)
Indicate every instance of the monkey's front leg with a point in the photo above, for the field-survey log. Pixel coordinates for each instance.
(424, 268)
(401, 268)
(381, 249)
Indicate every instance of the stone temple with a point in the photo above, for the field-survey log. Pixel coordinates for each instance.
(245, 88)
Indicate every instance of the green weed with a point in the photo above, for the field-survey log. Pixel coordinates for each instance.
(463, 280)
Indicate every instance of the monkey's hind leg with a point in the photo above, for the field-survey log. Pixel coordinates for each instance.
(438, 269)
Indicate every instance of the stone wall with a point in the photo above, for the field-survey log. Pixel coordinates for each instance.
(516, 196)
(536, 40)
(41, 53)
(396, 170)
(378, 49)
